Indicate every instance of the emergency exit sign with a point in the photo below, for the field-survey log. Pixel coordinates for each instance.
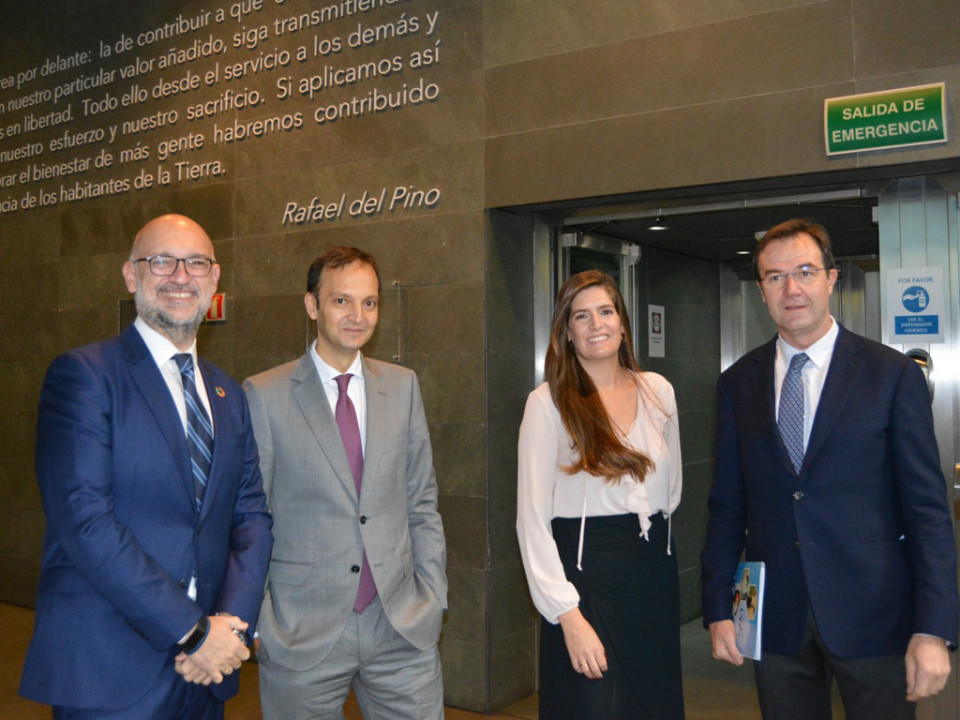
(891, 119)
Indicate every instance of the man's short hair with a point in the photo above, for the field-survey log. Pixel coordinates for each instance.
(792, 228)
(338, 257)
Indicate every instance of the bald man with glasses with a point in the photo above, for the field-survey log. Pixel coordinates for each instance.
(158, 536)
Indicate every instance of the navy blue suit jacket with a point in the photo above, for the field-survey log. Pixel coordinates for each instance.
(863, 532)
(123, 535)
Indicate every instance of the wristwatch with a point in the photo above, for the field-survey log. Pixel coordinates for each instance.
(195, 639)
(241, 635)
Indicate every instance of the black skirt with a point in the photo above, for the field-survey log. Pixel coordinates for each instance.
(630, 594)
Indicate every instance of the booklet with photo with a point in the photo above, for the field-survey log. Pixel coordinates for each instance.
(748, 607)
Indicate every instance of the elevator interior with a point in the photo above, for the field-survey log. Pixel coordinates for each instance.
(724, 231)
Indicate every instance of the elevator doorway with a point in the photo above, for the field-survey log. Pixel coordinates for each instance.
(693, 268)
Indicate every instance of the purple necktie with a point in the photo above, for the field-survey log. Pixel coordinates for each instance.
(350, 434)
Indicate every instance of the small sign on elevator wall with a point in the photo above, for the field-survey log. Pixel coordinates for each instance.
(915, 304)
(656, 333)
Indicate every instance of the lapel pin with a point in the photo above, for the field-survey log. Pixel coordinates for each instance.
(219, 391)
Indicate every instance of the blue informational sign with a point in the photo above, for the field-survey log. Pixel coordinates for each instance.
(915, 304)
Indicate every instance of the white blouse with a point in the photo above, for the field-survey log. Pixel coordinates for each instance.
(545, 491)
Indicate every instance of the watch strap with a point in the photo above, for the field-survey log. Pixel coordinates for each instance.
(196, 638)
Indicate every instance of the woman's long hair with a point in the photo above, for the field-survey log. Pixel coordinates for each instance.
(599, 451)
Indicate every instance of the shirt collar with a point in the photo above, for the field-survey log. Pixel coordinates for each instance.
(328, 373)
(161, 347)
(820, 352)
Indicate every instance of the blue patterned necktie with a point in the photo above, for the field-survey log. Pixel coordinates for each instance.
(790, 415)
(199, 429)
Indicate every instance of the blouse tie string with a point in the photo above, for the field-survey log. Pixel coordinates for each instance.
(583, 525)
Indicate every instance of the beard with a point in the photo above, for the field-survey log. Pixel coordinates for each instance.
(181, 330)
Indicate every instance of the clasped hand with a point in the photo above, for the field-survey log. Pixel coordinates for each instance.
(220, 653)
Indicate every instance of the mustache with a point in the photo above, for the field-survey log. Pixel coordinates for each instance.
(176, 287)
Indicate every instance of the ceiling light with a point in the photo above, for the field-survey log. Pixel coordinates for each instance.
(657, 224)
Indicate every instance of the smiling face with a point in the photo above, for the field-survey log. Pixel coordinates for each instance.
(174, 306)
(346, 308)
(594, 327)
(801, 312)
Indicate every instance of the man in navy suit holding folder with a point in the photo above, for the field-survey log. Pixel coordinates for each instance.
(827, 470)
(158, 536)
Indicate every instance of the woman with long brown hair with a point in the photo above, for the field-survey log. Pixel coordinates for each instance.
(599, 476)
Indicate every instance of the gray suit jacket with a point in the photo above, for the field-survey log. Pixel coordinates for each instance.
(321, 528)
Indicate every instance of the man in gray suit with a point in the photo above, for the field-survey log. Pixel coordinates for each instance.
(357, 584)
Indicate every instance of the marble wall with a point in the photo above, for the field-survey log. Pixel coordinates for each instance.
(539, 104)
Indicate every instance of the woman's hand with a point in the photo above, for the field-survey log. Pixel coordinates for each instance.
(586, 651)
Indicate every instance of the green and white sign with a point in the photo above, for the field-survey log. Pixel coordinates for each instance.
(891, 119)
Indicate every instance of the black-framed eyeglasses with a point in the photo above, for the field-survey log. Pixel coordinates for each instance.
(804, 276)
(166, 265)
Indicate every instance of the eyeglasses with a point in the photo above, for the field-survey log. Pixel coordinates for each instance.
(166, 265)
(802, 277)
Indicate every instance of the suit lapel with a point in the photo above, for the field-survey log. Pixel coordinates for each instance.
(766, 395)
(845, 365)
(311, 398)
(222, 419)
(378, 419)
(156, 395)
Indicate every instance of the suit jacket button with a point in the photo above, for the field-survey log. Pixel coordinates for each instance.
(798, 495)
(354, 568)
(363, 519)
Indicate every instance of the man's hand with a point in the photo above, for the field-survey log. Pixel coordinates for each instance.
(220, 653)
(186, 667)
(724, 640)
(586, 651)
(928, 666)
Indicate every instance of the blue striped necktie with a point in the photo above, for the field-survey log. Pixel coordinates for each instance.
(790, 414)
(199, 429)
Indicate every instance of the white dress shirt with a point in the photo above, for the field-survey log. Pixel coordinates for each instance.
(163, 350)
(356, 390)
(814, 374)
